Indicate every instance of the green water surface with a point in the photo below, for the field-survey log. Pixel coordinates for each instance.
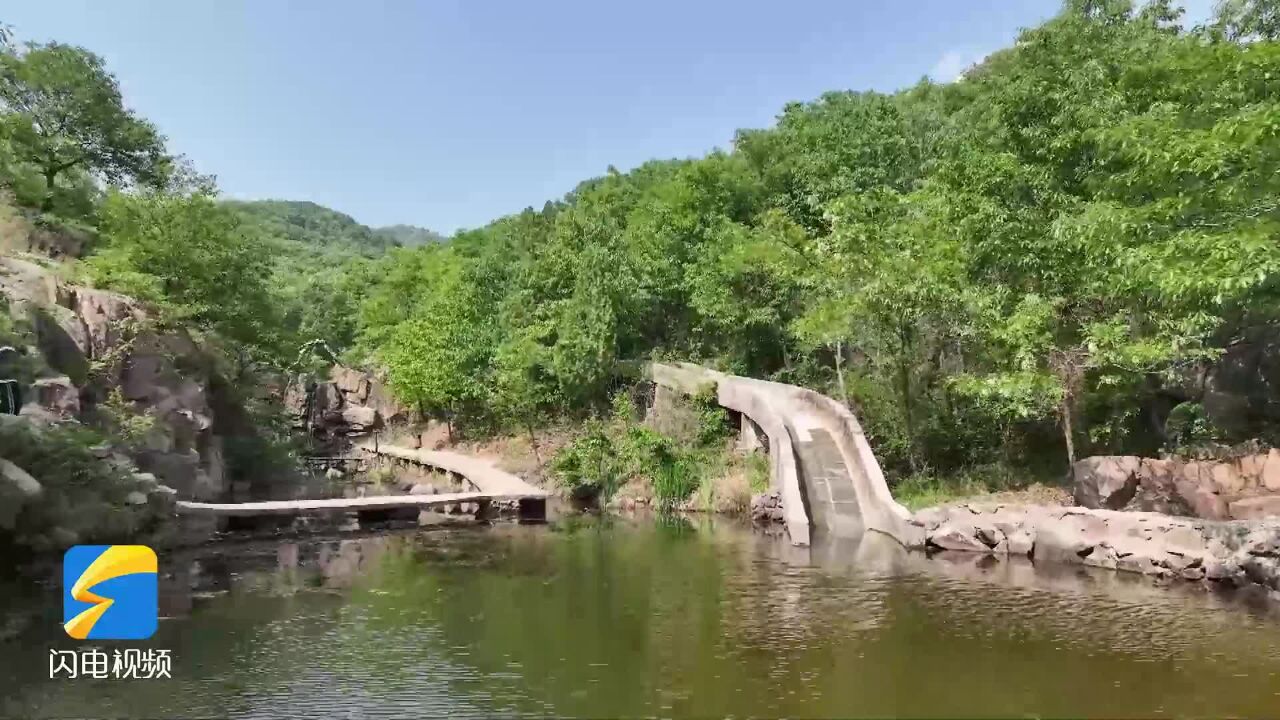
(644, 617)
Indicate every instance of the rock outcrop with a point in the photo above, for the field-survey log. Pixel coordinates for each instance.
(1233, 552)
(17, 488)
(1243, 488)
(94, 343)
(351, 403)
(58, 395)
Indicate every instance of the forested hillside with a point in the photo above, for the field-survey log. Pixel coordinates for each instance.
(1034, 262)
(311, 226)
(409, 235)
(319, 262)
(1047, 258)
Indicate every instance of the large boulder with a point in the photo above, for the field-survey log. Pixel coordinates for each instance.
(361, 419)
(297, 395)
(1160, 490)
(1256, 508)
(1214, 489)
(351, 382)
(382, 400)
(19, 481)
(1106, 481)
(58, 395)
(327, 397)
(1269, 475)
(105, 320)
(957, 536)
(17, 488)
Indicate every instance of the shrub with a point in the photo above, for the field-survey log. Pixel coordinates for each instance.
(83, 499)
(588, 467)
(1189, 429)
(609, 453)
(713, 421)
(757, 472)
(124, 421)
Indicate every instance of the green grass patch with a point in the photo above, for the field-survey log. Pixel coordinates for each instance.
(924, 490)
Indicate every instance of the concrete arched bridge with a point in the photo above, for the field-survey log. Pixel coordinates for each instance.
(820, 461)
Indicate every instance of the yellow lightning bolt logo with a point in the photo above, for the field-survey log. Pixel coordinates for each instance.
(115, 561)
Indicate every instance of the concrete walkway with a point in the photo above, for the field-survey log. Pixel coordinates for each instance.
(294, 507)
(481, 474)
(490, 483)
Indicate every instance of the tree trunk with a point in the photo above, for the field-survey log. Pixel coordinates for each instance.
(844, 392)
(1066, 431)
(533, 443)
(904, 388)
(50, 176)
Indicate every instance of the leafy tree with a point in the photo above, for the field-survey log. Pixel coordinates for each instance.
(63, 112)
(1248, 19)
(196, 261)
(438, 358)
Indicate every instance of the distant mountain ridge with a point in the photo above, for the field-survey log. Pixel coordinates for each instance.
(410, 235)
(321, 229)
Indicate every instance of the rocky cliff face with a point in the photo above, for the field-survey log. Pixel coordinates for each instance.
(351, 403)
(1242, 488)
(1240, 391)
(91, 347)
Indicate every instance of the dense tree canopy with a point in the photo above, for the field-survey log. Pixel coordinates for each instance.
(194, 258)
(63, 113)
(1036, 250)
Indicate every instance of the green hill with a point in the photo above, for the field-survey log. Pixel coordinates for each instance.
(315, 227)
(409, 235)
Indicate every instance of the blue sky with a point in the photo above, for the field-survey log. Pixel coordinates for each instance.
(448, 114)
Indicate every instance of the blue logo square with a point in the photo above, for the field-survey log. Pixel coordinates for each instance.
(110, 592)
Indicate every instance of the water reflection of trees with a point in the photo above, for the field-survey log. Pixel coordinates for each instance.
(624, 619)
(608, 616)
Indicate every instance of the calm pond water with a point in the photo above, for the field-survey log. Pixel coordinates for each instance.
(615, 617)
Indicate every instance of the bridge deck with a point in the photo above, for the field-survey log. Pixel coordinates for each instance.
(491, 483)
(377, 502)
(479, 472)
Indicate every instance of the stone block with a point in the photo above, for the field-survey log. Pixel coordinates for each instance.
(1251, 469)
(1256, 508)
(1226, 478)
(1108, 481)
(1270, 478)
(58, 395)
(954, 536)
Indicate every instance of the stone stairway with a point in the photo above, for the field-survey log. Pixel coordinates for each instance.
(829, 492)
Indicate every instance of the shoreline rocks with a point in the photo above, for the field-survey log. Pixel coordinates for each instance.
(1238, 553)
(767, 508)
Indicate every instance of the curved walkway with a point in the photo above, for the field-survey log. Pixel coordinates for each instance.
(481, 474)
